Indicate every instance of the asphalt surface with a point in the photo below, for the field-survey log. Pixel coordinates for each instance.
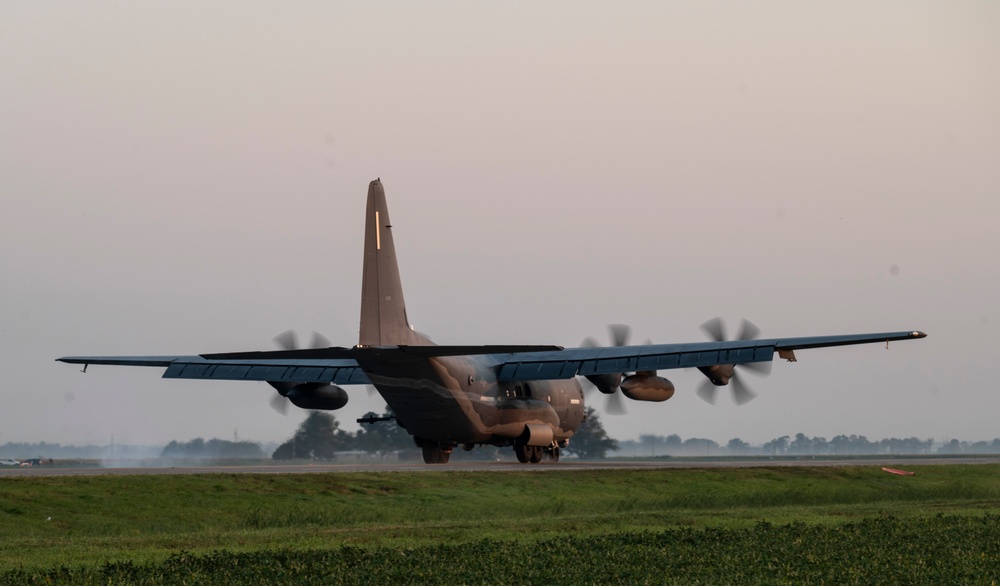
(318, 468)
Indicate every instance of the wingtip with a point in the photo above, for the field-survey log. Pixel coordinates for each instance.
(918, 334)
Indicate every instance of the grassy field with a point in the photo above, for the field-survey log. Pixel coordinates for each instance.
(106, 522)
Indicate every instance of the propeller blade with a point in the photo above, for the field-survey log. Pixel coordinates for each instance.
(748, 331)
(619, 334)
(279, 404)
(320, 341)
(741, 393)
(589, 388)
(287, 340)
(707, 391)
(608, 383)
(615, 405)
(715, 329)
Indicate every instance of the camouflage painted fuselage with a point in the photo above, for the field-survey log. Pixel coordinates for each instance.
(452, 400)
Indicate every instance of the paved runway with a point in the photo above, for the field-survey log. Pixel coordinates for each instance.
(898, 462)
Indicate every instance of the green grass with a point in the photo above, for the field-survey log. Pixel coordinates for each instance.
(937, 550)
(46, 522)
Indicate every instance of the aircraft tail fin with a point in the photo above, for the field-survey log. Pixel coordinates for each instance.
(383, 312)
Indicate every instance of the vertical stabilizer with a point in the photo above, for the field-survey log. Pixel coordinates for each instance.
(383, 312)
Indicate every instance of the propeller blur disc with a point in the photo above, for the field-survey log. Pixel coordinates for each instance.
(614, 405)
(287, 340)
(742, 394)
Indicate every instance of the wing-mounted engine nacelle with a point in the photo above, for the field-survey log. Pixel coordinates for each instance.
(719, 374)
(320, 396)
(606, 383)
(647, 387)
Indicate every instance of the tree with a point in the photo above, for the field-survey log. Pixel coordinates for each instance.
(841, 444)
(910, 445)
(384, 436)
(861, 445)
(212, 449)
(591, 441)
(803, 444)
(699, 446)
(318, 438)
(650, 443)
(953, 447)
(777, 446)
(737, 446)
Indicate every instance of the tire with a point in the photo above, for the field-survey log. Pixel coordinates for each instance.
(523, 453)
(536, 454)
(435, 455)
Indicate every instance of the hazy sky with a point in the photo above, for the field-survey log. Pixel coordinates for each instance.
(189, 177)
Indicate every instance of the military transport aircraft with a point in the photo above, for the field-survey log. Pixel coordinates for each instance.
(528, 397)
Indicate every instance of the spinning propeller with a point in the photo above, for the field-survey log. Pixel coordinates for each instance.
(289, 341)
(721, 374)
(609, 383)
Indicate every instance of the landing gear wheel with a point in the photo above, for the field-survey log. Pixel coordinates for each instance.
(536, 454)
(553, 454)
(523, 453)
(435, 455)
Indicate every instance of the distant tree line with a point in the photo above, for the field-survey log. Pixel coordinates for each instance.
(213, 449)
(24, 450)
(800, 445)
(319, 437)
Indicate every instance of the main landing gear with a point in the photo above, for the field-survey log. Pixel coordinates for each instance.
(435, 454)
(535, 454)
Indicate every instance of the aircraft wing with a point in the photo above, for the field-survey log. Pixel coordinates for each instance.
(339, 365)
(570, 362)
(313, 365)
(340, 371)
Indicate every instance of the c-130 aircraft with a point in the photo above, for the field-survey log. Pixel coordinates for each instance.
(528, 397)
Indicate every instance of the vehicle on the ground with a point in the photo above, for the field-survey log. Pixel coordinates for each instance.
(525, 397)
(9, 462)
